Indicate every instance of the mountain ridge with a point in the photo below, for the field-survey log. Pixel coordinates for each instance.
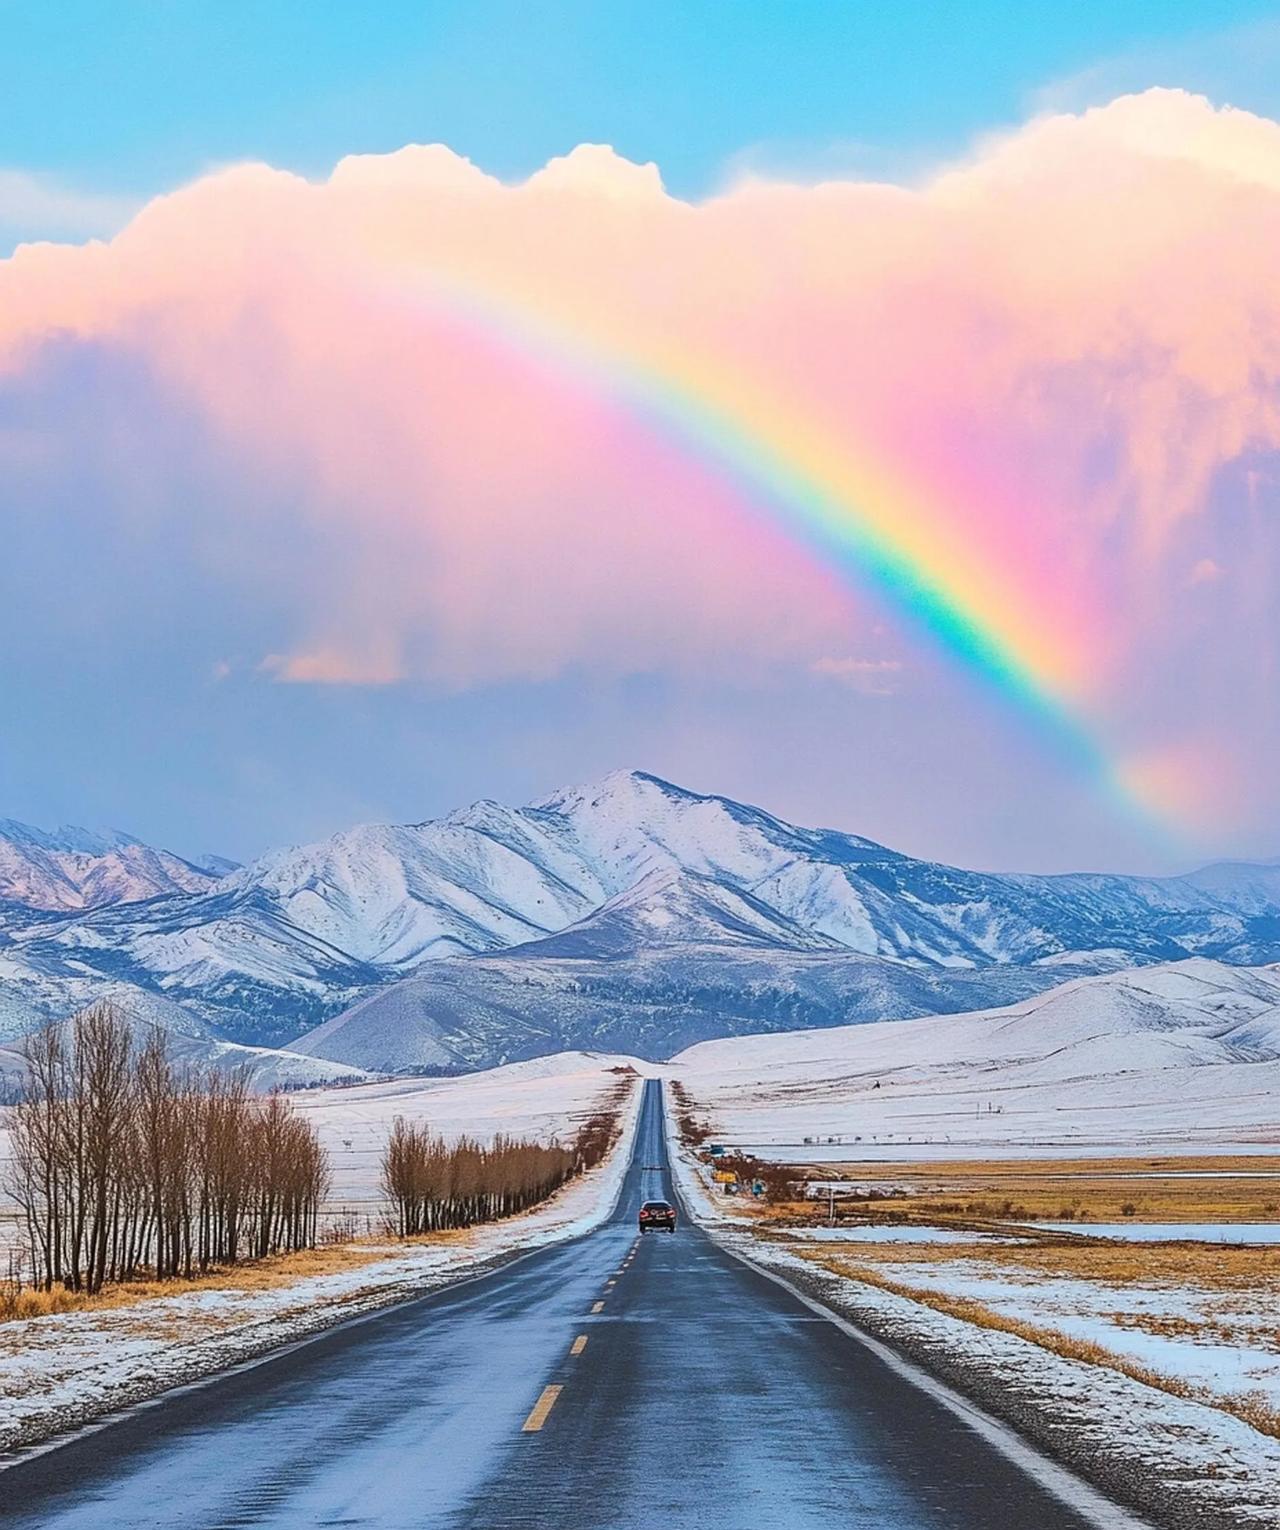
(645, 891)
(70, 868)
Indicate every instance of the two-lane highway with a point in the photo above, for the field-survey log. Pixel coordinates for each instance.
(617, 1382)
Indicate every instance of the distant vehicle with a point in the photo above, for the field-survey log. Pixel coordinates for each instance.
(657, 1214)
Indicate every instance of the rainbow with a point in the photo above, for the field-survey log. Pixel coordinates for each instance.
(854, 513)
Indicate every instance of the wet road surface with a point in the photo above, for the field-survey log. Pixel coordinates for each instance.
(612, 1383)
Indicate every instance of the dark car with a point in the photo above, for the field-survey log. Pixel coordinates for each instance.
(657, 1214)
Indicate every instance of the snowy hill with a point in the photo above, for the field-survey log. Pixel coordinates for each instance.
(1188, 1051)
(481, 1011)
(632, 891)
(78, 869)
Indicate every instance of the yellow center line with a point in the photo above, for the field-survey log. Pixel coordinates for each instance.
(598, 1307)
(578, 1345)
(541, 1408)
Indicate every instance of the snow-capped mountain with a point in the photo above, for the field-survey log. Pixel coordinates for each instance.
(653, 897)
(1186, 1051)
(72, 868)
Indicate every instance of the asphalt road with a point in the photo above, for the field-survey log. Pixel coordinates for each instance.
(692, 1392)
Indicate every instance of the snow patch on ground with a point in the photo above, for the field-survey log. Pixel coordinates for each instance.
(1186, 1462)
(1170, 1232)
(886, 1234)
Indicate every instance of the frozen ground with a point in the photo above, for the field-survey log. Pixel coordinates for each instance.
(1195, 1461)
(933, 1150)
(884, 1234)
(78, 1365)
(1221, 1341)
(1163, 1232)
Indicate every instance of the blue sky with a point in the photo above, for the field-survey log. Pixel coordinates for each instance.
(115, 99)
(109, 624)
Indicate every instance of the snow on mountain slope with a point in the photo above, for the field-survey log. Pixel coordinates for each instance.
(72, 868)
(1188, 1051)
(617, 873)
(669, 907)
(234, 959)
(215, 865)
(398, 896)
(490, 877)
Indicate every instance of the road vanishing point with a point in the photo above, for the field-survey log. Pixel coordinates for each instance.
(610, 1383)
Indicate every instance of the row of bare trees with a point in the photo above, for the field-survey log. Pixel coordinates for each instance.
(125, 1166)
(433, 1184)
(692, 1128)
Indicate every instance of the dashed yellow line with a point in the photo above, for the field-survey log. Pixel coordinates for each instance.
(578, 1345)
(598, 1307)
(541, 1409)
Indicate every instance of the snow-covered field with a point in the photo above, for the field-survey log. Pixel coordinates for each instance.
(880, 1233)
(1163, 1232)
(1183, 1057)
(548, 1097)
(55, 1370)
(1116, 1430)
(1221, 1341)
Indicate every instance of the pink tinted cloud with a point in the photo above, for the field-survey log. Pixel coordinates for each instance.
(332, 666)
(1068, 346)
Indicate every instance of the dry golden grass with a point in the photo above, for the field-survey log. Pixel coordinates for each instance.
(262, 1275)
(1204, 1266)
(29, 1304)
(1235, 1290)
(1256, 1408)
(1053, 1190)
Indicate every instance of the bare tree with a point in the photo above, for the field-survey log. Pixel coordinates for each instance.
(122, 1166)
(432, 1185)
